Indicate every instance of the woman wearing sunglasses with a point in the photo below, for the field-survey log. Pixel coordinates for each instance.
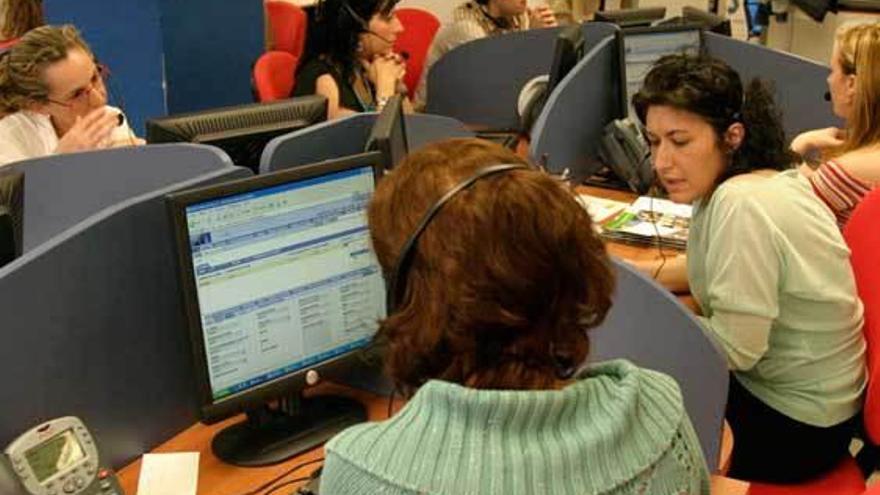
(53, 98)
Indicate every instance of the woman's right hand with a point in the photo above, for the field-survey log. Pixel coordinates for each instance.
(385, 71)
(89, 132)
(817, 140)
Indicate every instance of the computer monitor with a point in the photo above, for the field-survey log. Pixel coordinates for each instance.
(280, 286)
(630, 18)
(11, 215)
(388, 135)
(241, 131)
(707, 20)
(640, 48)
(567, 52)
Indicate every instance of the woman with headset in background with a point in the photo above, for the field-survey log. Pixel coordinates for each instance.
(495, 275)
(767, 265)
(18, 17)
(477, 19)
(852, 155)
(53, 98)
(352, 62)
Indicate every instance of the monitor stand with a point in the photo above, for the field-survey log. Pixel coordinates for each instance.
(272, 435)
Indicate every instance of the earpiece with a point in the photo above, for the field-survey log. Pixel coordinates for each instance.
(828, 96)
(396, 288)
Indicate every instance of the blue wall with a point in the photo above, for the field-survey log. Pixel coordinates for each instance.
(209, 48)
(169, 56)
(125, 35)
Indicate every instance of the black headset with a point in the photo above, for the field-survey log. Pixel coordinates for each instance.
(397, 281)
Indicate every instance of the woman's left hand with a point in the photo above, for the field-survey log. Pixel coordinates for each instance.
(542, 17)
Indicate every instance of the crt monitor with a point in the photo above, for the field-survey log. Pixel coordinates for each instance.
(388, 135)
(640, 48)
(280, 286)
(567, 51)
(707, 20)
(11, 215)
(241, 131)
(630, 18)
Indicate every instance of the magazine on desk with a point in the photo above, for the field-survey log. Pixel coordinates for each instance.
(643, 222)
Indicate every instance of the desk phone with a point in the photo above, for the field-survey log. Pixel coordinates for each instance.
(58, 457)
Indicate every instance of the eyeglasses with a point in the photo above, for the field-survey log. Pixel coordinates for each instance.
(82, 94)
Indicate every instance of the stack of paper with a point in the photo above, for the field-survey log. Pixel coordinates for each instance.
(650, 221)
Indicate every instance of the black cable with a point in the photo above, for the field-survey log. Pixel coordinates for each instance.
(274, 480)
(391, 401)
(287, 483)
(657, 237)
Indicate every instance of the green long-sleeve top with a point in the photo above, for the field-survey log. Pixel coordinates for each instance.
(771, 272)
(616, 429)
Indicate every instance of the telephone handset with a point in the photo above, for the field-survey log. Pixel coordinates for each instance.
(58, 457)
(623, 149)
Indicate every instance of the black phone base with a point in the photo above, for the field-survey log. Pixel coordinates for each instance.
(273, 435)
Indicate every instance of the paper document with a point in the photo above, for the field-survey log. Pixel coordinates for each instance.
(169, 474)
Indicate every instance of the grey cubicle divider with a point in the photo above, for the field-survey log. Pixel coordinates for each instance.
(800, 83)
(347, 136)
(648, 326)
(567, 131)
(479, 82)
(92, 325)
(62, 190)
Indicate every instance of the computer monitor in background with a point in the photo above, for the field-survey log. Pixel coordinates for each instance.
(241, 131)
(629, 18)
(11, 215)
(706, 20)
(640, 48)
(280, 286)
(388, 134)
(567, 52)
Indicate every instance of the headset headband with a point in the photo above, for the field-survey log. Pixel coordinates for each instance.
(397, 282)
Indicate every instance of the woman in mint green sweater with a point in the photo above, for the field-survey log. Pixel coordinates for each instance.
(767, 264)
(493, 293)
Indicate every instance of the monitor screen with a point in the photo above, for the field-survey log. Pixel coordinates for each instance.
(641, 48)
(11, 215)
(388, 134)
(279, 284)
(241, 131)
(567, 51)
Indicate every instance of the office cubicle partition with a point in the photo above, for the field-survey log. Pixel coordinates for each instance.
(800, 83)
(478, 83)
(348, 136)
(566, 133)
(648, 326)
(62, 190)
(92, 326)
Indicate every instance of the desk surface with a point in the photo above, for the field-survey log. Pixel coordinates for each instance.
(218, 478)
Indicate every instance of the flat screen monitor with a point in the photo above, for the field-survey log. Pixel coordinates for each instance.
(11, 215)
(630, 18)
(567, 52)
(707, 20)
(642, 47)
(241, 131)
(388, 135)
(280, 286)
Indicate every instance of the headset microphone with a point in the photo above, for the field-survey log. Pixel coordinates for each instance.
(828, 96)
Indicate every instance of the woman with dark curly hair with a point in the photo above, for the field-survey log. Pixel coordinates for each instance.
(767, 264)
(352, 63)
(492, 302)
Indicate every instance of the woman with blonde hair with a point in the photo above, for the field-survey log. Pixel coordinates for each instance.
(53, 98)
(851, 155)
(18, 17)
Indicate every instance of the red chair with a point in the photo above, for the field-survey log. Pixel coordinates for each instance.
(863, 238)
(287, 27)
(273, 76)
(419, 28)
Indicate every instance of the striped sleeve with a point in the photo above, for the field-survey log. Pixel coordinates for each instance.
(838, 189)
